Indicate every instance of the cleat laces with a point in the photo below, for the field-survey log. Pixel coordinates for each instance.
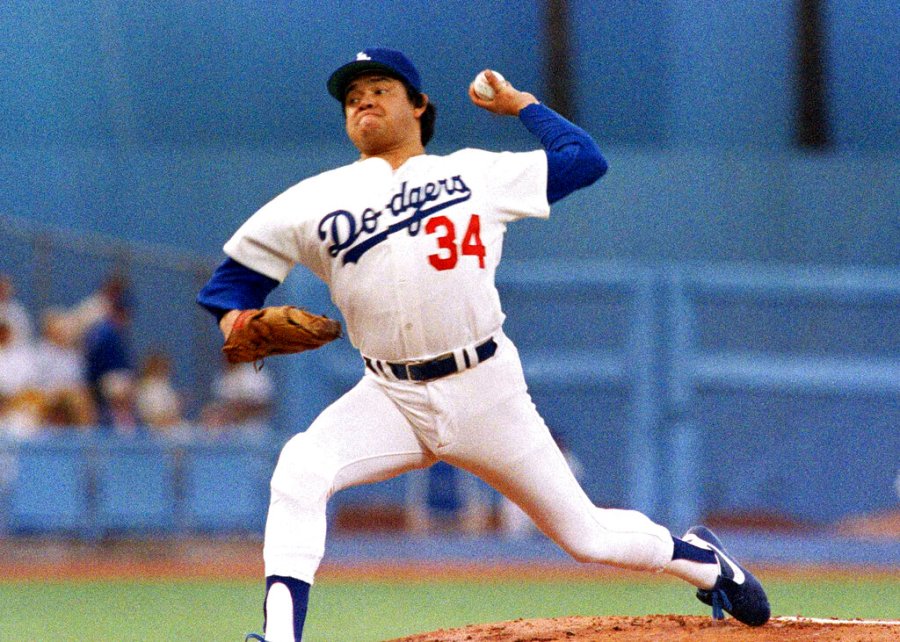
(720, 603)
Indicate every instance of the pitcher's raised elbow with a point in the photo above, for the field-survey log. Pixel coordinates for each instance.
(595, 165)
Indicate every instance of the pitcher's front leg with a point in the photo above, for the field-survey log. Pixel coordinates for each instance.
(361, 438)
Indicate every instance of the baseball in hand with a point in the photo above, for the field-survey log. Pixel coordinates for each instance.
(482, 88)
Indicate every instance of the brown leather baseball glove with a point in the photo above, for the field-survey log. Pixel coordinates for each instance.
(284, 329)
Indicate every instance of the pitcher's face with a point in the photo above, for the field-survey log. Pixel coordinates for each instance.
(379, 115)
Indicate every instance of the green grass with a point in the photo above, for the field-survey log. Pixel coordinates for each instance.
(360, 611)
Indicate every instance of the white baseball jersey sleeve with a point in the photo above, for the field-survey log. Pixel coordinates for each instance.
(397, 246)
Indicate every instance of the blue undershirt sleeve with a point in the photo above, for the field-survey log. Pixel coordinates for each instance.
(235, 287)
(573, 158)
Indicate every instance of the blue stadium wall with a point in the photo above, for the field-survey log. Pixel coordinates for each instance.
(188, 116)
(716, 272)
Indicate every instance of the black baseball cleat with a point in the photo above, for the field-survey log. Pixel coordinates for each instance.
(736, 591)
(254, 636)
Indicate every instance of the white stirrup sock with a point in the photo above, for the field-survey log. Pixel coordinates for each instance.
(694, 562)
(279, 614)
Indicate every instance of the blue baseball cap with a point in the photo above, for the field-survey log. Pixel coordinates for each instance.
(389, 61)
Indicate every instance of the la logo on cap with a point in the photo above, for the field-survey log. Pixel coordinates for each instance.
(362, 55)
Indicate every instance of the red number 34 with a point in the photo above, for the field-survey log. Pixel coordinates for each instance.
(448, 255)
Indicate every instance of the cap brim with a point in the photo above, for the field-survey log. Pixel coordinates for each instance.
(337, 83)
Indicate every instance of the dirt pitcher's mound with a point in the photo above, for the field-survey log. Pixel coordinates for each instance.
(672, 628)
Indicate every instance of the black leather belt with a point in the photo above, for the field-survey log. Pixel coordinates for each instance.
(433, 368)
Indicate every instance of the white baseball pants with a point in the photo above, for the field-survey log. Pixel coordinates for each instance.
(481, 420)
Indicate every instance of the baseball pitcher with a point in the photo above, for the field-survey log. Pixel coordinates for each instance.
(408, 244)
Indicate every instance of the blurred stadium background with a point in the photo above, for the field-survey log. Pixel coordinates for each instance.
(729, 291)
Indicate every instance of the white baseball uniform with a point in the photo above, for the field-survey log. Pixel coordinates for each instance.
(410, 256)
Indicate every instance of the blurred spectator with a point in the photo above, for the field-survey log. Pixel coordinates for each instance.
(20, 403)
(69, 408)
(112, 293)
(58, 354)
(21, 415)
(14, 313)
(61, 364)
(159, 405)
(118, 410)
(18, 369)
(107, 353)
(243, 399)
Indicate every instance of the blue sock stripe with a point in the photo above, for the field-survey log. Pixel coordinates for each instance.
(299, 591)
(685, 551)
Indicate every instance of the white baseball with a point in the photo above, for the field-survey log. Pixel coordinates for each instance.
(482, 88)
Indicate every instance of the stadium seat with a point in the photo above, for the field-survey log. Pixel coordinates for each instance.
(226, 487)
(135, 487)
(49, 487)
